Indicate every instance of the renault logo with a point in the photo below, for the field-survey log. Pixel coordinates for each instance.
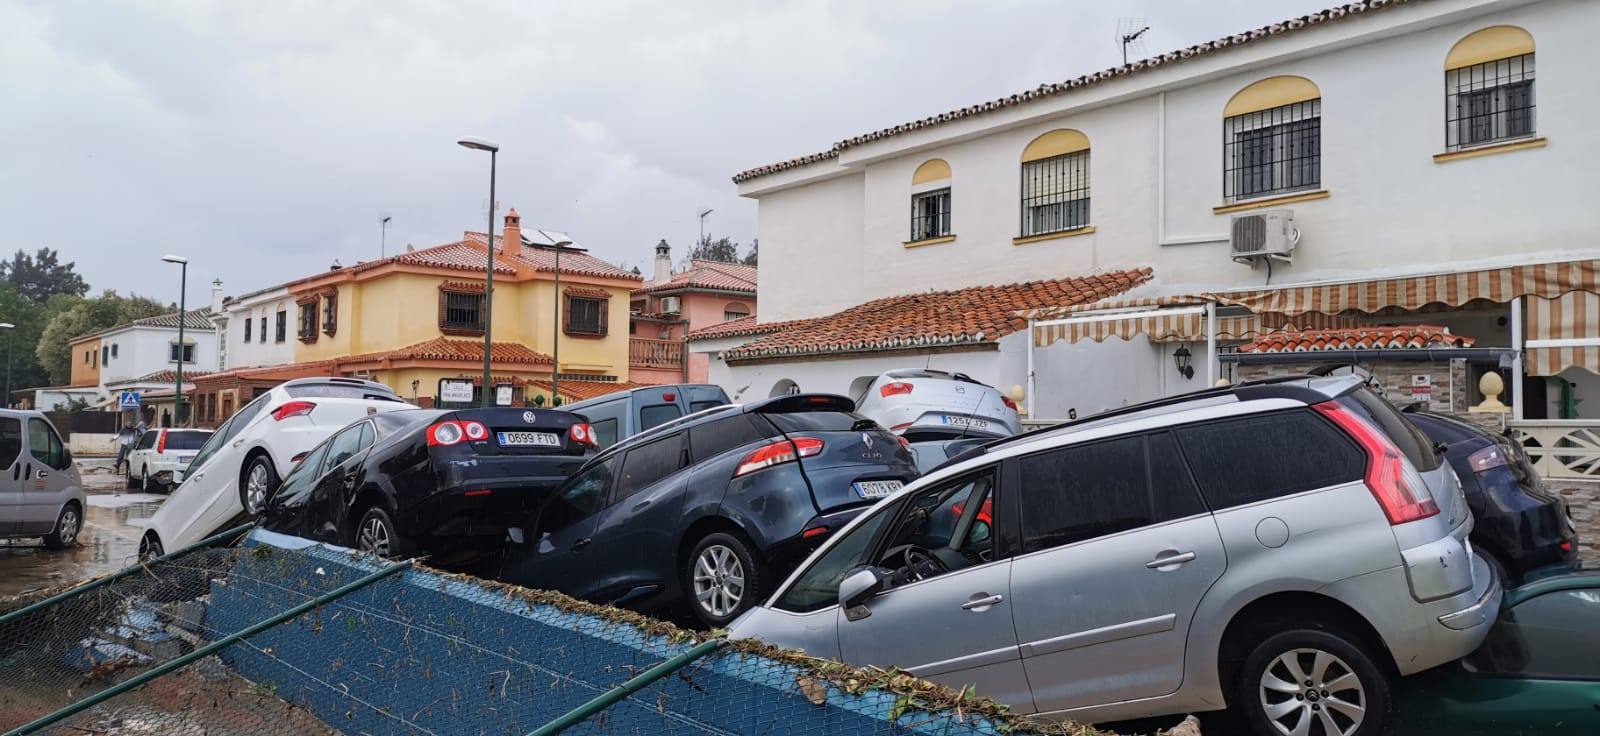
(529, 417)
(866, 439)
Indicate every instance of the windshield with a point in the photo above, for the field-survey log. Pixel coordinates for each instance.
(178, 439)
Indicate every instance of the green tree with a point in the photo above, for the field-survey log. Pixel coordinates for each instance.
(750, 258)
(87, 315)
(30, 319)
(723, 250)
(38, 276)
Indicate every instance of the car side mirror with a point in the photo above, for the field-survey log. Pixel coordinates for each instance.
(859, 586)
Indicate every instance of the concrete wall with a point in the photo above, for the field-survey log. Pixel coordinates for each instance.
(86, 362)
(832, 230)
(257, 352)
(144, 350)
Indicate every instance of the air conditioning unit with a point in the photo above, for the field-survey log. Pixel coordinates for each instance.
(670, 305)
(1261, 235)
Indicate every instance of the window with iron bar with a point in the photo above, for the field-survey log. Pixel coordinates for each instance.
(930, 214)
(1489, 102)
(1055, 194)
(308, 321)
(1273, 151)
(585, 316)
(461, 311)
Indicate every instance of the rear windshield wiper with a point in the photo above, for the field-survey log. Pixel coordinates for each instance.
(863, 424)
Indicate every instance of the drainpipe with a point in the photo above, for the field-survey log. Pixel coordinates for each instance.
(1516, 359)
(1031, 338)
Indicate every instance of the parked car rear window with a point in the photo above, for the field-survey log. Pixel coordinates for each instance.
(695, 406)
(1240, 461)
(657, 414)
(605, 432)
(648, 463)
(1086, 491)
(713, 438)
(185, 440)
(815, 421)
(339, 391)
(10, 440)
(1405, 435)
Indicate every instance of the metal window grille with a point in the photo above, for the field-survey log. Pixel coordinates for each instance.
(248, 323)
(283, 327)
(1489, 102)
(1272, 151)
(330, 313)
(584, 315)
(263, 331)
(463, 311)
(308, 320)
(1055, 194)
(930, 214)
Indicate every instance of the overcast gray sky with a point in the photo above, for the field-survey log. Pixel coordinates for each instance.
(265, 139)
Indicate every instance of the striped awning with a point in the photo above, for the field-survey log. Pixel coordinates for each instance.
(1572, 318)
(1500, 285)
(1185, 327)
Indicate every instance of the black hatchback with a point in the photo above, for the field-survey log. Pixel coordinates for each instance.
(712, 509)
(1520, 525)
(442, 482)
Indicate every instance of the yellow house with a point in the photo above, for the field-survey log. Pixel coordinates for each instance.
(415, 321)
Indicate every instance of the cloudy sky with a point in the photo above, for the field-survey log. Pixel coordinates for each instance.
(265, 139)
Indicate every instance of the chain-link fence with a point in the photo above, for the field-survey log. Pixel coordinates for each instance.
(365, 647)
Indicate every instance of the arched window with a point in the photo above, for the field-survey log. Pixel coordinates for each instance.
(930, 200)
(1488, 88)
(735, 310)
(1272, 139)
(785, 387)
(1055, 183)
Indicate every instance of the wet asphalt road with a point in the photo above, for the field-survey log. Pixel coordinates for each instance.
(108, 542)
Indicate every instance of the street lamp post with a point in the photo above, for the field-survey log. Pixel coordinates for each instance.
(11, 331)
(484, 144)
(183, 289)
(555, 333)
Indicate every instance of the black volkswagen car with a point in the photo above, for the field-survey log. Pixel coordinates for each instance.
(447, 483)
(712, 509)
(1520, 525)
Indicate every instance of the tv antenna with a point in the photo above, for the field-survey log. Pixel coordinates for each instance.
(1128, 32)
(702, 212)
(383, 235)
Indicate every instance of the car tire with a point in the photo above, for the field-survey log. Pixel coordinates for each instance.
(68, 523)
(146, 484)
(128, 480)
(150, 547)
(723, 578)
(257, 484)
(1294, 674)
(377, 534)
(1500, 572)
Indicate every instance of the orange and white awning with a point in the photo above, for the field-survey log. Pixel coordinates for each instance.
(1499, 285)
(1562, 333)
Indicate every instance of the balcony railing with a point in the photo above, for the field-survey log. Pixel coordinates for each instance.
(647, 353)
(1561, 448)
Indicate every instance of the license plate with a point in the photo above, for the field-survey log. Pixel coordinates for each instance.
(877, 488)
(528, 439)
(968, 422)
(185, 458)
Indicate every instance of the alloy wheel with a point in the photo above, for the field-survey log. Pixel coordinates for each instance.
(68, 531)
(374, 537)
(1310, 692)
(255, 489)
(718, 580)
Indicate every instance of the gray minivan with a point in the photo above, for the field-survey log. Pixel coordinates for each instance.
(41, 494)
(618, 416)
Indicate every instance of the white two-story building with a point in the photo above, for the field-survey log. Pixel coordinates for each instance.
(1419, 166)
(254, 329)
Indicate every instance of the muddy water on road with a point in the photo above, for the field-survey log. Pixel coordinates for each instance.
(109, 540)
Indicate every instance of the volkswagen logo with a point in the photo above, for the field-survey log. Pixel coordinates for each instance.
(529, 417)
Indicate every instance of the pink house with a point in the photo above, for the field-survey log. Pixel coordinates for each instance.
(667, 307)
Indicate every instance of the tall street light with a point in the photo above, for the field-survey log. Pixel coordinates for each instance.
(555, 332)
(484, 144)
(183, 289)
(11, 331)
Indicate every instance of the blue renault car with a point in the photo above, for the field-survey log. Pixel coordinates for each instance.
(710, 510)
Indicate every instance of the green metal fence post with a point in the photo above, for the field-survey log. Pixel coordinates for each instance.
(206, 651)
(120, 574)
(636, 683)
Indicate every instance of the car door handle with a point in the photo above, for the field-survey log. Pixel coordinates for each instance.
(983, 603)
(1174, 558)
(238, 442)
(580, 544)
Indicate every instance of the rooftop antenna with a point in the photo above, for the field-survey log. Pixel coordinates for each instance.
(383, 236)
(702, 215)
(1128, 32)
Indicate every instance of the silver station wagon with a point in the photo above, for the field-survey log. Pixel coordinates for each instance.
(1284, 548)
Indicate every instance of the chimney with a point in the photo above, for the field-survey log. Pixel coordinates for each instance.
(216, 296)
(663, 262)
(513, 231)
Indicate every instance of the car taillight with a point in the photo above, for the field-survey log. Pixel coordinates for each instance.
(1012, 405)
(293, 409)
(583, 434)
(1402, 495)
(1488, 458)
(903, 441)
(778, 453)
(161, 442)
(474, 430)
(445, 433)
(895, 389)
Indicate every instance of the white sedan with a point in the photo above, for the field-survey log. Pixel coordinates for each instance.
(921, 405)
(239, 467)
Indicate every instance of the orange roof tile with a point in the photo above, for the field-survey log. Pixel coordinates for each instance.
(740, 326)
(971, 316)
(713, 275)
(573, 260)
(1373, 337)
(441, 348)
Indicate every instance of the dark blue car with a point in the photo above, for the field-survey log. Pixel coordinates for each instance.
(711, 510)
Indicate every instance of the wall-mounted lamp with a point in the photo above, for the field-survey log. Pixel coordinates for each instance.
(1181, 358)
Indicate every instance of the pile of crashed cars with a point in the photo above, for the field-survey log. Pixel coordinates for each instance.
(1296, 551)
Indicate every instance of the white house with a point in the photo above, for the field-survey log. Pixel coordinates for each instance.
(1392, 146)
(255, 329)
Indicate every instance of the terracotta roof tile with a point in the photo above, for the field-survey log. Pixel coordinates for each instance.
(462, 255)
(1057, 88)
(581, 390)
(164, 376)
(708, 275)
(740, 326)
(441, 348)
(1374, 337)
(573, 260)
(971, 316)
